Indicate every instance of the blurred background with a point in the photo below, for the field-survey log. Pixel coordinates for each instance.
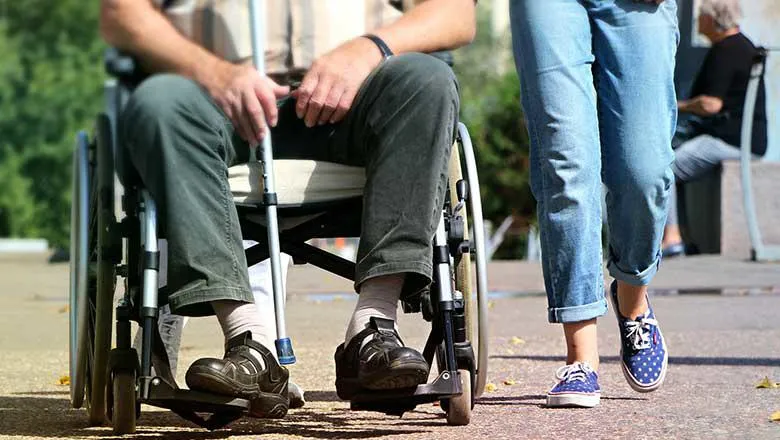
(51, 80)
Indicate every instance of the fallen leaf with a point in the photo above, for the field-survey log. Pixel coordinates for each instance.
(509, 382)
(64, 380)
(510, 352)
(516, 341)
(491, 387)
(775, 417)
(491, 304)
(766, 383)
(63, 309)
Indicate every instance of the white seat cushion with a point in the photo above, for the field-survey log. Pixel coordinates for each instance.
(298, 182)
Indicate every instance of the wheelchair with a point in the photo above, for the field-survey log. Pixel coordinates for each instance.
(323, 200)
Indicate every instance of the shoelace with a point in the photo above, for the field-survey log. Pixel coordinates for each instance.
(638, 332)
(576, 371)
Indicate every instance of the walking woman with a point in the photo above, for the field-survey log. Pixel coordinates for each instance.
(598, 93)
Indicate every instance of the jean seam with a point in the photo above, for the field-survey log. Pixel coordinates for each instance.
(226, 211)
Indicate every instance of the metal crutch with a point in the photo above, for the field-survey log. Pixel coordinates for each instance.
(284, 349)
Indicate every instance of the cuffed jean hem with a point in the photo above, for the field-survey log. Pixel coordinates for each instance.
(642, 278)
(198, 302)
(412, 284)
(565, 315)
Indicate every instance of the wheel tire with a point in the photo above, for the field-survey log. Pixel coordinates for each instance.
(458, 408)
(123, 408)
(105, 273)
(477, 299)
(79, 272)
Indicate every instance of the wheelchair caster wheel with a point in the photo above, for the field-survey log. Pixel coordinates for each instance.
(123, 409)
(458, 408)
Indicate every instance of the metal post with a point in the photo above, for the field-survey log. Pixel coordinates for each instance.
(760, 250)
(284, 350)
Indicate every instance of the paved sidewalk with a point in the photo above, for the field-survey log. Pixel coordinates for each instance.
(709, 273)
(721, 346)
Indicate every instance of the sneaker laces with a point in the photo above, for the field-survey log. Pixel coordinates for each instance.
(578, 371)
(638, 332)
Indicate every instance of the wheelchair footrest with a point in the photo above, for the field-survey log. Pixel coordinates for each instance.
(187, 404)
(396, 403)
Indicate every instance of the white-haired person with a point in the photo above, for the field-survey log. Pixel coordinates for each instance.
(715, 106)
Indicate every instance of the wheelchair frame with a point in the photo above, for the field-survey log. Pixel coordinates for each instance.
(115, 383)
(116, 395)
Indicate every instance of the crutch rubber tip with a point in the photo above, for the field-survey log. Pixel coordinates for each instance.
(284, 350)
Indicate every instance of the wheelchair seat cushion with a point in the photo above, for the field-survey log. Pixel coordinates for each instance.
(298, 182)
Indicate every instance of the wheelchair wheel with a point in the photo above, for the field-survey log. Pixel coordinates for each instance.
(93, 274)
(105, 275)
(468, 276)
(81, 307)
(121, 405)
(459, 407)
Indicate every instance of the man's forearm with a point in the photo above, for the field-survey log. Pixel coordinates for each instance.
(135, 26)
(431, 26)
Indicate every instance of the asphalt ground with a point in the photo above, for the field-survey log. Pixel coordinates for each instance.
(721, 346)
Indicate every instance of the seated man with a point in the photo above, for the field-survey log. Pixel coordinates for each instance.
(718, 96)
(183, 127)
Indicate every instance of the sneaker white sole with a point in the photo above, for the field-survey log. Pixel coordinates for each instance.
(573, 400)
(638, 386)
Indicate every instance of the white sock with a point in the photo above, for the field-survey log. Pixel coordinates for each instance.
(237, 317)
(378, 297)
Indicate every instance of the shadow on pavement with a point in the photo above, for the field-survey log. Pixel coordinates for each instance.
(44, 417)
(676, 360)
(321, 396)
(530, 399)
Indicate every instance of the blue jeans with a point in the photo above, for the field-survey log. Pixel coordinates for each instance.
(598, 93)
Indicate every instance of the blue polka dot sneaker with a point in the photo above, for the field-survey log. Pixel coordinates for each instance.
(642, 350)
(578, 386)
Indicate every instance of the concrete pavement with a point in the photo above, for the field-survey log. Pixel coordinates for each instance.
(721, 346)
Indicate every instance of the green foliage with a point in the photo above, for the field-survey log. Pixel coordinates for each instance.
(50, 87)
(16, 213)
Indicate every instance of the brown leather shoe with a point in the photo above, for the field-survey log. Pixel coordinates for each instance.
(382, 363)
(239, 374)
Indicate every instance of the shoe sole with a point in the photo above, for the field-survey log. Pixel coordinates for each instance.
(403, 376)
(262, 404)
(637, 386)
(573, 400)
(400, 375)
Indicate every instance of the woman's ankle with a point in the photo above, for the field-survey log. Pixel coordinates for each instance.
(581, 343)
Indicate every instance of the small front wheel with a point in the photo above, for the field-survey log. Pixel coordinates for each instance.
(122, 411)
(459, 407)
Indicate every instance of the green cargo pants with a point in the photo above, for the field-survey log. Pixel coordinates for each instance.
(401, 128)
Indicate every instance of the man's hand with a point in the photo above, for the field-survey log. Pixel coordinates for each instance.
(702, 105)
(329, 88)
(247, 98)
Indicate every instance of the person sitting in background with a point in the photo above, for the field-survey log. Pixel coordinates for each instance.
(715, 107)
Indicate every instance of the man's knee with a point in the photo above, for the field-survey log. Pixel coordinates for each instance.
(160, 100)
(423, 76)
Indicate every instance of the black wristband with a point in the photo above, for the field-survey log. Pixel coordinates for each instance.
(380, 43)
